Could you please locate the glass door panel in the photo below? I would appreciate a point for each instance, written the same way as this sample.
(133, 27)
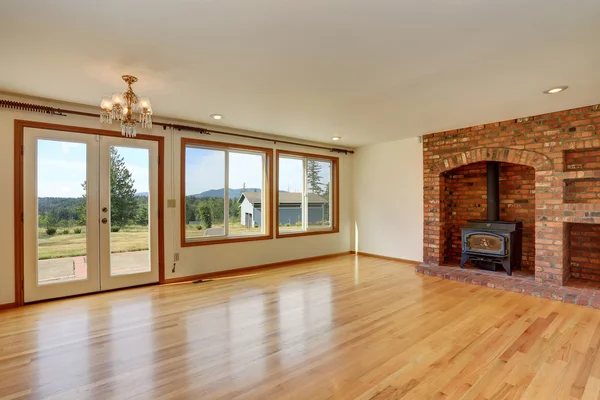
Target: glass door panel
(129, 227)
(60, 215)
(129, 212)
(62, 205)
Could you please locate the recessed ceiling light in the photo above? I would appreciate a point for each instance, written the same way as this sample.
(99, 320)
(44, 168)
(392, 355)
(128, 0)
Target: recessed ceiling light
(336, 138)
(216, 116)
(557, 89)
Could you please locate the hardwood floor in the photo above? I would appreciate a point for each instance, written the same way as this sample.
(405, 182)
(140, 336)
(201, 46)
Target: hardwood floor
(346, 327)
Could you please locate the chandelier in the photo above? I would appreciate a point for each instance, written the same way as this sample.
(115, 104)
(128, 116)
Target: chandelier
(128, 108)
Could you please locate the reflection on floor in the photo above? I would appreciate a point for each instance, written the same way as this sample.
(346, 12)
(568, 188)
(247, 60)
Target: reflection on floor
(345, 328)
(75, 268)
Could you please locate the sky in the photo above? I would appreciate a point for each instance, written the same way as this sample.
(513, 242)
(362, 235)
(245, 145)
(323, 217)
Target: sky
(62, 168)
(205, 170)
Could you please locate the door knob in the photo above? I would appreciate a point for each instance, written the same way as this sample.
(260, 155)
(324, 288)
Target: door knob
(104, 220)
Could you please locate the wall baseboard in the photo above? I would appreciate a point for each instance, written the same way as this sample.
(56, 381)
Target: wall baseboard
(7, 306)
(361, 253)
(244, 270)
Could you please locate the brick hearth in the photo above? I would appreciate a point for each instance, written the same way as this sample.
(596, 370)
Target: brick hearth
(577, 291)
(550, 180)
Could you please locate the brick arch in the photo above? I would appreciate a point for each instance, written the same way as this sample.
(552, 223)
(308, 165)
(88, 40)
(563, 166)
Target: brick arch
(514, 156)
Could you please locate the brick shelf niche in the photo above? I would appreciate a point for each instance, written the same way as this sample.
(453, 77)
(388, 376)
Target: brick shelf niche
(584, 250)
(548, 156)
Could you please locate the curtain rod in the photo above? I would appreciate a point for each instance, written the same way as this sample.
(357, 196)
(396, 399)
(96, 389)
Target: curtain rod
(15, 105)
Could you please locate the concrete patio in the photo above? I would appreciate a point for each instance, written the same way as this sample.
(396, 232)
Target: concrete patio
(74, 268)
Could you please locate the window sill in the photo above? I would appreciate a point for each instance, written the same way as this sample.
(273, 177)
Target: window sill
(231, 239)
(281, 235)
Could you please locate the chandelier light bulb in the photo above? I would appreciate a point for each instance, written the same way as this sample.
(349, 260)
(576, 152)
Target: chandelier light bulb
(117, 98)
(145, 103)
(106, 103)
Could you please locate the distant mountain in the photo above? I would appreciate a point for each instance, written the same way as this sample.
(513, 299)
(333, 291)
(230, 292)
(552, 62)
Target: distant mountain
(233, 193)
(142, 194)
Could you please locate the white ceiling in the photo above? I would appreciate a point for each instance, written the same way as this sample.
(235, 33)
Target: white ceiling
(367, 70)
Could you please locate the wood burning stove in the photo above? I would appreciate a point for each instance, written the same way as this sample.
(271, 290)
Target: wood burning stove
(493, 243)
(490, 244)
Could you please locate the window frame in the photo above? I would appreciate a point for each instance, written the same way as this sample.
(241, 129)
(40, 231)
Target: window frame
(335, 190)
(267, 189)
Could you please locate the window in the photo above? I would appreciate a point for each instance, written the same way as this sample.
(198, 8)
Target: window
(307, 194)
(225, 192)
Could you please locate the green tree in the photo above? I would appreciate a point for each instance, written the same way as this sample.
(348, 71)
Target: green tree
(234, 210)
(81, 210)
(315, 181)
(51, 219)
(191, 209)
(326, 195)
(217, 209)
(205, 214)
(123, 206)
(142, 215)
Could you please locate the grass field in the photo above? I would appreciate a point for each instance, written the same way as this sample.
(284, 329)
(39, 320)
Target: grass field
(131, 238)
(74, 244)
(192, 231)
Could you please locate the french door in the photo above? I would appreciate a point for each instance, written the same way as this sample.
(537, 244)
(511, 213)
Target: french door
(90, 213)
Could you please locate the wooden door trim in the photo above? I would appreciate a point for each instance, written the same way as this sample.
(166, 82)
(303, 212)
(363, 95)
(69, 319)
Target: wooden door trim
(20, 126)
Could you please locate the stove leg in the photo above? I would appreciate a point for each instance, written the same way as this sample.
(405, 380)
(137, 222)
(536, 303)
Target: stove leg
(506, 266)
(463, 260)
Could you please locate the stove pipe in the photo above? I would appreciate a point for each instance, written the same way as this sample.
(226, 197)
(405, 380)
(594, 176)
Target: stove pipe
(493, 191)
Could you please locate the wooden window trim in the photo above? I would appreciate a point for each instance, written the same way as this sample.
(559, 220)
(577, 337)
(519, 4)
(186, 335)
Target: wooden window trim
(269, 161)
(335, 175)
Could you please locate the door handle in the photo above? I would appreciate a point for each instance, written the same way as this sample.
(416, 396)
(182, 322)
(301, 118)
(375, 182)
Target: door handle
(104, 220)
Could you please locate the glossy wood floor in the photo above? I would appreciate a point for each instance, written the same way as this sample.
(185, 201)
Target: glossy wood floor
(341, 328)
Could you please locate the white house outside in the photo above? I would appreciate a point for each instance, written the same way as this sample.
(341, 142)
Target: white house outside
(290, 209)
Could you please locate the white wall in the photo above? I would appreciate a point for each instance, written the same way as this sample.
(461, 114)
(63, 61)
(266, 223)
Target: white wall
(193, 260)
(388, 199)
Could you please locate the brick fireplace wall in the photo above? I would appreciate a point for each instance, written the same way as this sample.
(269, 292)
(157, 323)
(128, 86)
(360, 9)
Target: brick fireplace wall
(560, 151)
